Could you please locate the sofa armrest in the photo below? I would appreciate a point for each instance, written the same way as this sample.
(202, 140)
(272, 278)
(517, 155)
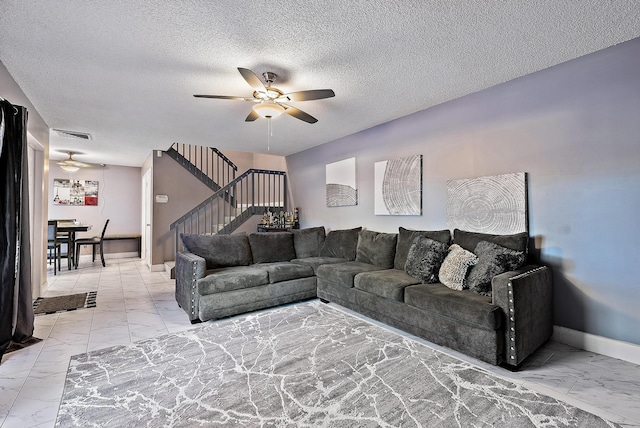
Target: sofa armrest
(525, 296)
(189, 269)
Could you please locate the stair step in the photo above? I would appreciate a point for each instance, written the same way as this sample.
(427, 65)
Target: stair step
(170, 268)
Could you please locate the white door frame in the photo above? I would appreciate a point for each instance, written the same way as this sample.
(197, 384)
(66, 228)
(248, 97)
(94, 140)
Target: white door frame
(36, 216)
(147, 196)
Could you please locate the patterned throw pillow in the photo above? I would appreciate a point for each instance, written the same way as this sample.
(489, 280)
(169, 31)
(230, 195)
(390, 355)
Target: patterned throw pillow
(406, 238)
(425, 258)
(455, 266)
(493, 260)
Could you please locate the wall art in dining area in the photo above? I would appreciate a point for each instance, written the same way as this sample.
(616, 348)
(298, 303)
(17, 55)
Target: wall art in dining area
(495, 204)
(398, 186)
(75, 192)
(341, 183)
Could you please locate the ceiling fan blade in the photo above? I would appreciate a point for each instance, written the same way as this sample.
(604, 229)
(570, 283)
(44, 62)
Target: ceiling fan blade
(253, 80)
(252, 116)
(299, 114)
(314, 94)
(225, 97)
(72, 162)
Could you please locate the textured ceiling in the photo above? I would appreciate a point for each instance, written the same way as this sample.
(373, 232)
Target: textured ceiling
(125, 71)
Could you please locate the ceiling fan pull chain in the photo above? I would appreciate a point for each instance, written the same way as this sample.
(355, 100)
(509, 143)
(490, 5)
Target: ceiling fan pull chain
(269, 134)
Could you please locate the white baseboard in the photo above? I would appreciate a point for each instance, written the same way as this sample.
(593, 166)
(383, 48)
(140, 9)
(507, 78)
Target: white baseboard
(599, 344)
(126, 255)
(107, 256)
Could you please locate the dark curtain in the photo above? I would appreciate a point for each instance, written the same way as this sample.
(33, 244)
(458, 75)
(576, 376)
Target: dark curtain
(16, 307)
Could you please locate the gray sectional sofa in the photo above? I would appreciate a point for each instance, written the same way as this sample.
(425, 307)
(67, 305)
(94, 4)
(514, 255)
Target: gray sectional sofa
(393, 278)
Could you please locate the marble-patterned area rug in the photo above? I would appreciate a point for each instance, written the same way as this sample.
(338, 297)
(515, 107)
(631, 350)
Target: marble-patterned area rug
(302, 365)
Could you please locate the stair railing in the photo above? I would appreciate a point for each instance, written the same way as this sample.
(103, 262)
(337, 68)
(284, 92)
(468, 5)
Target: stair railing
(208, 164)
(253, 192)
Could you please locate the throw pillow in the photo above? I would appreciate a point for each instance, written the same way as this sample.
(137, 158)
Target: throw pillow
(341, 244)
(453, 271)
(268, 247)
(425, 258)
(406, 238)
(219, 250)
(376, 248)
(493, 260)
(307, 242)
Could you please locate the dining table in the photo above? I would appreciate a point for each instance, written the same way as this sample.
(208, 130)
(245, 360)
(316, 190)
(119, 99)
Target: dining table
(71, 228)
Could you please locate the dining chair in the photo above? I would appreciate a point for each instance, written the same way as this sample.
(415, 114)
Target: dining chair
(53, 245)
(95, 241)
(65, 239)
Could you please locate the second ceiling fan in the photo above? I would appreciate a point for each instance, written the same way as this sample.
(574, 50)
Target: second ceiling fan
(269, 101)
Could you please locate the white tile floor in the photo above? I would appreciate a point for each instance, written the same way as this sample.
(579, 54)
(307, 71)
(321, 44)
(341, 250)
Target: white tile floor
(135, 304)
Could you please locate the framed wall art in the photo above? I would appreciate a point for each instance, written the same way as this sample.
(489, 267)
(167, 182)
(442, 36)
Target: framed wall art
(398, 186)
(495, 204)
(75, 192)
(341, 183)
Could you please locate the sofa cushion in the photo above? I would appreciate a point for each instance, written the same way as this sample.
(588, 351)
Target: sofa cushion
(465, 306)
(388, 283)
(376, 248)
(469, 240)
(219, 250)
(285, 271)
(341, 244)
(406, 238)
(269, 247)
(425, 258)
(493, 260)
(231, 278)
(307, 242)
(455, 267)
(316, 262)
(344, 273)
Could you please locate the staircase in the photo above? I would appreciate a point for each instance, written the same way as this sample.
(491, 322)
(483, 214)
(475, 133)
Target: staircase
(207, 164)
(234, 199)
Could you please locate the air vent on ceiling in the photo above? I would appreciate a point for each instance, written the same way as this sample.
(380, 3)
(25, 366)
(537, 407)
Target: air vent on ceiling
(73, 134)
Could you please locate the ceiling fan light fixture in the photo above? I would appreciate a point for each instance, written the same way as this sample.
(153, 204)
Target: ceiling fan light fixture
(268, 109)
(69, 168)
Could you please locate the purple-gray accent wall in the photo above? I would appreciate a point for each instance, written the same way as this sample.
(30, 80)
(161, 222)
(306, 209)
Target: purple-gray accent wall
(574, 128)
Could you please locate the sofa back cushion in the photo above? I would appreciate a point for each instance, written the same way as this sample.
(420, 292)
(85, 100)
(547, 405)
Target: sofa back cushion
(268, 247)
(341, 244)
(308, 242)
(219, 250)
(406, 238)
(376, 248)
(470, 240)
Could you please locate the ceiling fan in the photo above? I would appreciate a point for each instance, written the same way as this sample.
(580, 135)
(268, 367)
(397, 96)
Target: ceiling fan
(269, 101)
(72, 165)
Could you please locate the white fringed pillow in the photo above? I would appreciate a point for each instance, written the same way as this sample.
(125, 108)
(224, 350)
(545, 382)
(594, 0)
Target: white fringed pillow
(455, 267)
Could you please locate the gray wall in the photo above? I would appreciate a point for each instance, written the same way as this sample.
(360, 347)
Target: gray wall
(185, 192)
(575, 128)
